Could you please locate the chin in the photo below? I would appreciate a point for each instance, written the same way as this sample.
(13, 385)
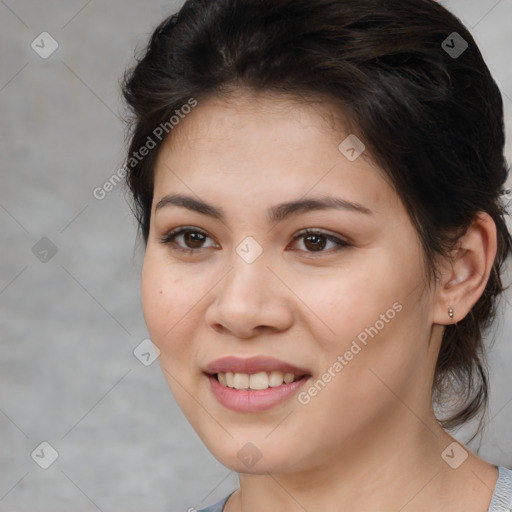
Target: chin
(257, 458)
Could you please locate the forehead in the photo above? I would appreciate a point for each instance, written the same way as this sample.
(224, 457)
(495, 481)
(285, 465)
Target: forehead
(263, 145)
(246, 119)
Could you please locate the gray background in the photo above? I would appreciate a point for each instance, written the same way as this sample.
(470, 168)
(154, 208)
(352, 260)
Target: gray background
(69, 325)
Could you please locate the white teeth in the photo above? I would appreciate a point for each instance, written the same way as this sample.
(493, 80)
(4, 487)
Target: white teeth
(240, 380)
(289, 377)
(276, 379)
(260, 380)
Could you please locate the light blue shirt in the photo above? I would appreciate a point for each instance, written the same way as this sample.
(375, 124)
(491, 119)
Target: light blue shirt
(501, 498)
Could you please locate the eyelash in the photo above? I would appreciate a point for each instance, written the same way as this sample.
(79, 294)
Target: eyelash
(169, 238)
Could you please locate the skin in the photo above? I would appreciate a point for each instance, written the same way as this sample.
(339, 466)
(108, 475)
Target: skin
(369, 440)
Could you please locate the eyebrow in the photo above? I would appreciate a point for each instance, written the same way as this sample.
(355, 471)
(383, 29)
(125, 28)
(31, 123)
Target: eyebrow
(276, 213)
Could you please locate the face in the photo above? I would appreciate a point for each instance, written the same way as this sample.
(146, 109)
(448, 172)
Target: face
(343, 307)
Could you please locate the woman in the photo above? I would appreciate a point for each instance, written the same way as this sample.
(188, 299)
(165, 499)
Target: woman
(317, 184)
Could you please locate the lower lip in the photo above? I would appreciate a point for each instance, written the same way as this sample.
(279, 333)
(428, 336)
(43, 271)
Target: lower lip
(253, 400)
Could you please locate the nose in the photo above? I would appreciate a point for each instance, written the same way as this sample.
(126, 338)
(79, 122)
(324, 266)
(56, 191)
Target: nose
(249, 300)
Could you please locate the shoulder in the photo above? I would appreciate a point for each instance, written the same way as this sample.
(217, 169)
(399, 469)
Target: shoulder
(502, 496)
(216, 507)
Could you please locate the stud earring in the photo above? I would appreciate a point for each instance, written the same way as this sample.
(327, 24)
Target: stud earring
(450, 312)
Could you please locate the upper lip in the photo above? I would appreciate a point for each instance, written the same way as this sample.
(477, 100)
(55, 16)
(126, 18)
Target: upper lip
(252, 365)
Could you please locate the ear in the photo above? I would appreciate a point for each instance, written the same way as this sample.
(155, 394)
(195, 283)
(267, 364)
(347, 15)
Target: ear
(466, 272)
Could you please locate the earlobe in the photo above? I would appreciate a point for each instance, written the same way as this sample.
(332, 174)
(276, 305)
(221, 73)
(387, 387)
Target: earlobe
(468, 271)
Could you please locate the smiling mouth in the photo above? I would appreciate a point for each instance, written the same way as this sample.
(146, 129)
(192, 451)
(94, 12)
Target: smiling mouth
(256, 381)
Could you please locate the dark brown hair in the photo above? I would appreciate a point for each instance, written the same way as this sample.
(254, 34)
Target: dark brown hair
(431, 119)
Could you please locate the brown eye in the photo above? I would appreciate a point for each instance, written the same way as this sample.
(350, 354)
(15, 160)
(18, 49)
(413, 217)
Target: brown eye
(192, 239)
(316, 241)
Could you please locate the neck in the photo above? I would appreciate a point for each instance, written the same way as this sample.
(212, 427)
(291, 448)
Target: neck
(396, 466)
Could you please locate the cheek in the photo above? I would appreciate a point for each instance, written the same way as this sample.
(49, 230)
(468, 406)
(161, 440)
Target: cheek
(374, 317)
(169, 314)
(167, 304)
(353, 299)
(155, 298)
